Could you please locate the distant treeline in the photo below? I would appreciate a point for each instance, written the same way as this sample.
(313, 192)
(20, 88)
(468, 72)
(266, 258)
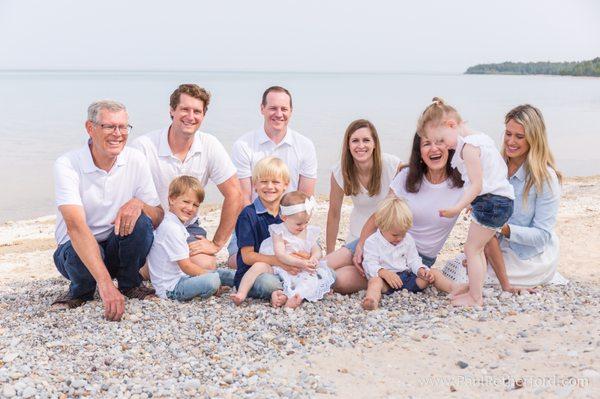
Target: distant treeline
(582, 68)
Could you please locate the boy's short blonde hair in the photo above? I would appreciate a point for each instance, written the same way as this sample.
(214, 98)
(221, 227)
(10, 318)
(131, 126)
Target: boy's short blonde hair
(180, 185)
(272, 167)
(393, 212)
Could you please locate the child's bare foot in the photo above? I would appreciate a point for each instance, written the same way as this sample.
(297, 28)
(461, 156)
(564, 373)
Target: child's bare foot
(458, 289)
(293, 302)
(237, 298)
(278, 299)
(370, 303)
(466, 300)
(145, 272)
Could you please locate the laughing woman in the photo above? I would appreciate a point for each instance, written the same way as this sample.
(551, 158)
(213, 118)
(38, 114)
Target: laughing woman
(364, 175)
(428, 183)
(526, 251)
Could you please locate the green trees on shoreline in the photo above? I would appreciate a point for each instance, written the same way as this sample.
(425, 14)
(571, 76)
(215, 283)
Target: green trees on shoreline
(581, 68)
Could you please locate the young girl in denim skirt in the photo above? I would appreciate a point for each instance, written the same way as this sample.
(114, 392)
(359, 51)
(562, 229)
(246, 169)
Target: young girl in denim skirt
(487, 189)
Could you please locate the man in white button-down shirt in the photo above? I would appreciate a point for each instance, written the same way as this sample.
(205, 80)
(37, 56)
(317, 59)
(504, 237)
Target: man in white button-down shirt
(276, 139)
(182, 149)
(107, 207)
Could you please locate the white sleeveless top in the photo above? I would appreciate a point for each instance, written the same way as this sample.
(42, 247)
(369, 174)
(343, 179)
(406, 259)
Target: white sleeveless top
(493, 167)
(363, 205)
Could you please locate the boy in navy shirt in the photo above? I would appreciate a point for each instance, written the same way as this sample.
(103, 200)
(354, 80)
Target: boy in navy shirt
(270, 179)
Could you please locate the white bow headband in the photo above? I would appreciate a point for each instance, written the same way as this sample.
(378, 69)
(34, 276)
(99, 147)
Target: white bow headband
(308, 206)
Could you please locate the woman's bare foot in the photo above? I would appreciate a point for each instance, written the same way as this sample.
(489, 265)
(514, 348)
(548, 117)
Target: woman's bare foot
(278, 299)
(293, 302)
(458, 289)
(237, 298)
(466, 300)
(145, 272)
(370, 303)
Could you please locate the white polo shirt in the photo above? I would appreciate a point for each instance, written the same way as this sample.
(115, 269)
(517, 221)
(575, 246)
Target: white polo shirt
(169, 246)
(296, 150)
(78, 181)
(206, 159)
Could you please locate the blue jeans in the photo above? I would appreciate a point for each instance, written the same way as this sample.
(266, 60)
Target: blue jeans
(427, 261)
(264, 285)
(123, 257)
(194, 230)
(204, 286)
(492, 211)
(351, 245)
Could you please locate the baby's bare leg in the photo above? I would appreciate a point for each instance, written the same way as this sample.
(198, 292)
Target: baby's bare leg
(248, 281)
(375, 288)
(443, 283)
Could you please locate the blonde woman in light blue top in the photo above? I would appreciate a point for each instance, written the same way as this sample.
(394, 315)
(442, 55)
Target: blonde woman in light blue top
(526, 251)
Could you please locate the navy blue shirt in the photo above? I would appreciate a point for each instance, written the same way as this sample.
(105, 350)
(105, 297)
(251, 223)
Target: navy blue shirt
(251, 229)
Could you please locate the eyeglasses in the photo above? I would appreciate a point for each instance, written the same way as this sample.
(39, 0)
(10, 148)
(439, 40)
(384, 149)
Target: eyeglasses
(123, 129)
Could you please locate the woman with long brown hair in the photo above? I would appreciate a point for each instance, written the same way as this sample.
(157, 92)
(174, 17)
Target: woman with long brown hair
(364, 174)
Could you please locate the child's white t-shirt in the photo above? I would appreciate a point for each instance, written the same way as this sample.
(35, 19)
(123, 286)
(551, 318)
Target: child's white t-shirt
(494, 169)
(429, 230)
(169, 246)
(379, 253)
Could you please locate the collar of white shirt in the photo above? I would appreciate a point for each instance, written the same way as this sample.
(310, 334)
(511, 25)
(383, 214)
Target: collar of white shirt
(287, 139)
(164, 150)
(87, 162)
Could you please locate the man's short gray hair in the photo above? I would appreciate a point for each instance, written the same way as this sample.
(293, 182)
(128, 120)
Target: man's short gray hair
(109, 105)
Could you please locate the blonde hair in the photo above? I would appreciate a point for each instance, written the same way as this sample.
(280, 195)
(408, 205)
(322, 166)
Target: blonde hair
(393, 212)
(180, 185)
(539, 157)
(435, 113)
(270, 167)
(349, 172)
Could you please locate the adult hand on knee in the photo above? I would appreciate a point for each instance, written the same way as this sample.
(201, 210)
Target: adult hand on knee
(358, 258)
(113, 300)
(203, 246)
(127, 217)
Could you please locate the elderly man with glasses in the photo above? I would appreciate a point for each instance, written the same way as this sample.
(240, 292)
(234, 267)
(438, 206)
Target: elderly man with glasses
(107, 208)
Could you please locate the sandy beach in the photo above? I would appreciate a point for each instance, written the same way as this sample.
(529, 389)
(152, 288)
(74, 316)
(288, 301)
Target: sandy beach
(543, 345)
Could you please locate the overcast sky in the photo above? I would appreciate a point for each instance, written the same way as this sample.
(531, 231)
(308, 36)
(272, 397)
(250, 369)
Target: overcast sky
(294, 35)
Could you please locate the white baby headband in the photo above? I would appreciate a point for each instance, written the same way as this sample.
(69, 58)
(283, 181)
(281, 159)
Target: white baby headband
(307, 206)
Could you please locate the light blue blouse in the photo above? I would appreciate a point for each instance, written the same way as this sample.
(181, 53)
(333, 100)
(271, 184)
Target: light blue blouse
(532, 224)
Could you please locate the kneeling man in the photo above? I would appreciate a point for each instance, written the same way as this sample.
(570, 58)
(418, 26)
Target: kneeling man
(108, 207)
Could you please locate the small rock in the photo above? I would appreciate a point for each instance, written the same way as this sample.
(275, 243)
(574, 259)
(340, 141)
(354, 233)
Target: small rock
(9, 357)
(78, 384)
(452, 388)
(564, 391)
(529, 349)
(462, 365)
(9, 391)
(28, 392)
(572, 353)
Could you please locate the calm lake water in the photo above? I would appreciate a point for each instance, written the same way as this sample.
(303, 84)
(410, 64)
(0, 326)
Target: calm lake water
(42, 115)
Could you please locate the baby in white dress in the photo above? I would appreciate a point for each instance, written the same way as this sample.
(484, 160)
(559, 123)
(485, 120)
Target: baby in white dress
(294, 243)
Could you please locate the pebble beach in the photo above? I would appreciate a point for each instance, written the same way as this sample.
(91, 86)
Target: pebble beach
(544, 344)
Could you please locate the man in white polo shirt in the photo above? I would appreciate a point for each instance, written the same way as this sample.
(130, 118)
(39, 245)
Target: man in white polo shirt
(274, 138)
(107, 207)
(181, 149)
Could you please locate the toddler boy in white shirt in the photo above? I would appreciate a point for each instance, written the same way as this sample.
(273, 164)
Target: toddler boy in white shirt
(391, 261)
(173, 274)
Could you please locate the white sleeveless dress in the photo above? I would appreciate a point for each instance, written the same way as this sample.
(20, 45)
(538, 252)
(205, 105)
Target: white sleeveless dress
(311, 287)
